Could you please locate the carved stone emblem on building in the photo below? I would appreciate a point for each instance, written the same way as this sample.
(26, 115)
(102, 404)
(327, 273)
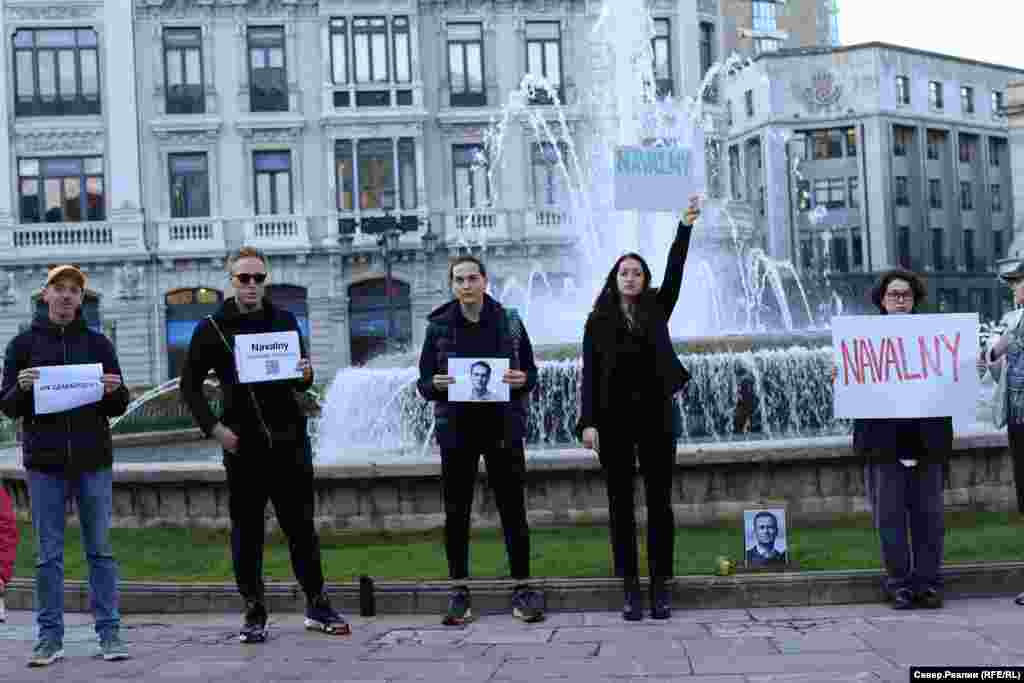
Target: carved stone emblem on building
(7, 288)
(824, 90)
(129, 280)
(39, 140)
(52, 12)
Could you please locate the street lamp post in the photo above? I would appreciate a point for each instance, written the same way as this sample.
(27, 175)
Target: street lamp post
(388, 244)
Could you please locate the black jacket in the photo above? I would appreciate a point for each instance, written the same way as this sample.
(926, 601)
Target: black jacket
(75, 440)
(442, 341)
(277, 407)
(599, 342)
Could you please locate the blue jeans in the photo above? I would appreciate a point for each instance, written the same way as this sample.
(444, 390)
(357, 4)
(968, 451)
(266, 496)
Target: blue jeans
(93, 493)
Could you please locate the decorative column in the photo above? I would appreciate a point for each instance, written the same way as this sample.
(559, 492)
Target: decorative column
(120, 108)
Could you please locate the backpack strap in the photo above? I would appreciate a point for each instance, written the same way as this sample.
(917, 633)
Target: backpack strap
(252, 394)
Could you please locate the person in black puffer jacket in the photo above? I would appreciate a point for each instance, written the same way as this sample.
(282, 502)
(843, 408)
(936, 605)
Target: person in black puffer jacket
(474, 325)
(67, 454)
(267, 454)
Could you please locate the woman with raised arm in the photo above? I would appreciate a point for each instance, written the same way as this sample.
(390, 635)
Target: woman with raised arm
(630, 374)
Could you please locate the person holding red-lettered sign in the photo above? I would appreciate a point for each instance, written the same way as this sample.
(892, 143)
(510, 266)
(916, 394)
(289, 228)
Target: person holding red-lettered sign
(903, 475)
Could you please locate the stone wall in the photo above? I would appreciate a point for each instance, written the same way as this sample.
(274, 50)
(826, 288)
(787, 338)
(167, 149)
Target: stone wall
(817, 479)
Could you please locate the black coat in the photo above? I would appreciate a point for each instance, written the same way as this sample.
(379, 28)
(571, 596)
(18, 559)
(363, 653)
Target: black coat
(76, 440)
(599, 343)
(442, 341)
(277, 406)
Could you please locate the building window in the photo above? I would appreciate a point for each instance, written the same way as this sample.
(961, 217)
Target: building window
(966, 196)
(853, 187)
(469, 174)
(996, 149)
(937, 249)
(967, 99)
(840, 259)
(466, 65)
(902, 191)
(762, 45)
(903, 246)
(748, 101)
(968, 148)
(858, 250)
(803, 194)
(401, 50)
(273, 181)
(851, 142)
(903, 138)
(735, 176)
(707, 47)
(61, 190)
(377, 177)
(935, 94)
(830, 193)
(56, 72)
(935, 193)
(190, 185)
(997, 245)
(370, 43)
(997, 198)
(544, 58)
(902, 90)
(547, 161)
(183, 65)
(765, 16)
(339, 51)
(998, 103)
(969, 250)
(947, 302)
(936, 141)
(979, 300)
(268, 81)
(825, 144)
(661, 48)
(806, 254)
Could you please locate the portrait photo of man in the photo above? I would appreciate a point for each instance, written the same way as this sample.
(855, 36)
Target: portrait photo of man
(765, 537)
(480, 380)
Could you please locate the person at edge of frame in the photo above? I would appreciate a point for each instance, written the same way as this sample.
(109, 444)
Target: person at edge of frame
(473, 325)
(267, 452)
(8, 547)
(68, 454)
(905, 461)
(630, 376)
(1010, 346)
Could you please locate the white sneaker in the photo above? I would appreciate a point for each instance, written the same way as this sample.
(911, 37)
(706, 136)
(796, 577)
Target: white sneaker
(3, 610)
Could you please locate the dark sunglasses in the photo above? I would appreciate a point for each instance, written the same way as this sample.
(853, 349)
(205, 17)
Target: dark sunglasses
(246, 278)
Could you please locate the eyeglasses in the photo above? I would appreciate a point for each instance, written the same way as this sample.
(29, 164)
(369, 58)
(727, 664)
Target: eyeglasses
(899, 296)
(246, 278)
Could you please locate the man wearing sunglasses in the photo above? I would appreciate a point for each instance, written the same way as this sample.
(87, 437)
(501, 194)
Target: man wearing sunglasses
(267, 453)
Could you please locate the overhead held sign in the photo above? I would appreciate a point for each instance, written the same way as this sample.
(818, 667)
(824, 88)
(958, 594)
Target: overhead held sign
(659, 178)
(906, 366)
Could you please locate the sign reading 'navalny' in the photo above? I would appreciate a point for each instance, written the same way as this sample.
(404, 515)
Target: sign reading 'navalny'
(658, 178)
(267, 357)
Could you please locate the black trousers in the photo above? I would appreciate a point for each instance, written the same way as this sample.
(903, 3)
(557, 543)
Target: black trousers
(285, 478)
(506, 475)
(655, 448)
(1016, 436)
(908, 499)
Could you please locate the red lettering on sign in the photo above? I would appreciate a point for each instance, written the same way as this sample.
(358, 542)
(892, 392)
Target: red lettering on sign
(903, 358)
(954, 349)
(851, 365)
(926, 359)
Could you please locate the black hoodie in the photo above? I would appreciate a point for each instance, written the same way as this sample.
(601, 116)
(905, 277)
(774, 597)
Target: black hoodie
(75, 440)
(277, 408)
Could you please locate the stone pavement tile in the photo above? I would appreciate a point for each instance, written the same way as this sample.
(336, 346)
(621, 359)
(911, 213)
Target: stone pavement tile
(447, 671)
(641, 650)
(770, 613)
(780, 664)
(498, 636)
(592, 669)
(678, 616)
(825, 677)
(1008, 639)
(546, 651)
(947, 654)
(793, 643)
(439, 636)
(732, 647)
(663, 631)
(867, 610)
(412, 652)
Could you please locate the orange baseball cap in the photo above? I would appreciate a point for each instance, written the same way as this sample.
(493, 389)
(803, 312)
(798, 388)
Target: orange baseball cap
(67, 270)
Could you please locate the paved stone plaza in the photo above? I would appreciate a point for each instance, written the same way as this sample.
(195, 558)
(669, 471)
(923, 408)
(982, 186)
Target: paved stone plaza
(792, 644)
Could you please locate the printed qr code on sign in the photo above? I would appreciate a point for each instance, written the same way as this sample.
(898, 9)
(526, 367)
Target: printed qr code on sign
(273, 367)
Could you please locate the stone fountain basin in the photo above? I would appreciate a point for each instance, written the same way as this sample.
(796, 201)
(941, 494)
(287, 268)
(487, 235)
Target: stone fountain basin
(817, 479)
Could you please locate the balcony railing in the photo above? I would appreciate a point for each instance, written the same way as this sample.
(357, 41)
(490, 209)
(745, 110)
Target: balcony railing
(548, 221)
(97, 239)
(475, 225)
(277, 232)
(192, 236)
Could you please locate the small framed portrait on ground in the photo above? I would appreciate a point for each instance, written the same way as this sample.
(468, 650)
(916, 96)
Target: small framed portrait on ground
(764, 535)
(478, 380)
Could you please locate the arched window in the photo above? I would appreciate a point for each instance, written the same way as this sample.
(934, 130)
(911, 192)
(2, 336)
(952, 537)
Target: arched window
(374, 327)
(185, 308)
(292, 299)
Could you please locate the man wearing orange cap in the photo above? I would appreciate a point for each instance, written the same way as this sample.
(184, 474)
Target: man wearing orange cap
(67, 454)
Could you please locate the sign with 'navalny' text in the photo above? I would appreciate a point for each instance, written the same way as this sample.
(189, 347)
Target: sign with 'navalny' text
(267, 357)
(906, 366)
(659, 178)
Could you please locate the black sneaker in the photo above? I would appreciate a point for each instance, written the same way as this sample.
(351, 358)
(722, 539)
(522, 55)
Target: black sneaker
(661, 600)
(460, 610)
(527, 604)
(903, 599)
(929, 598)
(254, 628)
(320, 616)
(634, 607)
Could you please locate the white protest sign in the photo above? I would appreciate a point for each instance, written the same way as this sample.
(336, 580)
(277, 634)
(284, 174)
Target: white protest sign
(659, 178)
(65, 387)
(906, 366)
(267, 357)
(478, 380)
